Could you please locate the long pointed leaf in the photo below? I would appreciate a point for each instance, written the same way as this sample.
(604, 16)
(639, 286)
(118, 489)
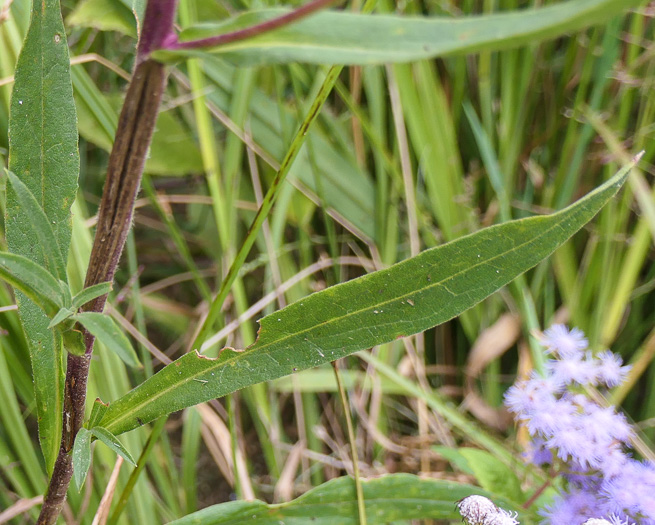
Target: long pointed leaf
(340, 37)
(393, 498)
(51, 253)
(90, 293)
(109, 334)
(32, 280)
(405, 299)
(43, 154)
(81, 456)
(112, 442)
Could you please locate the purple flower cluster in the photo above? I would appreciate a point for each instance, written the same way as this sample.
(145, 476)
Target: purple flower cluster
(587, 442)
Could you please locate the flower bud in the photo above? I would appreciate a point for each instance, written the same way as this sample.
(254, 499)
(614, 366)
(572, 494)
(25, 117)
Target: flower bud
(475, 509)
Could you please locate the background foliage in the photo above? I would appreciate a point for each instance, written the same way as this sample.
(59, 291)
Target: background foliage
(403, 158)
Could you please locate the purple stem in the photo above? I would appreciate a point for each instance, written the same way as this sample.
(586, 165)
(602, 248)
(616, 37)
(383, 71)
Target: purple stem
(257, 29)
(126, 161)
(157, 30)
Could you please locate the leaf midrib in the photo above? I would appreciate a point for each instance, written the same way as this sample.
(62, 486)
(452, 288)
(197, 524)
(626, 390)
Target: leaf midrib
(239, 353)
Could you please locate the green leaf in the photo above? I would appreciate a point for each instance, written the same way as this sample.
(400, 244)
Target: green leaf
(32, 280)
(405, 299)
(457, 460)
(43, 154)
(61, 316)
(90, 293)
(112, 442)
(109, 334)
(81, 457)
(104, 15)
(41, 226)
(98, 410)
(82, 450)
(341, 37)
(391, 498)
(493, 475)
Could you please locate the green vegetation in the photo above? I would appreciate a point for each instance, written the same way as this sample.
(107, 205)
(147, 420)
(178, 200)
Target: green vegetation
(471, 149)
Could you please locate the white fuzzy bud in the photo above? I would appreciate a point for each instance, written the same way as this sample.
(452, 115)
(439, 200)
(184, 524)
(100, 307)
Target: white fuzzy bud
(475, 509)
(502, 517)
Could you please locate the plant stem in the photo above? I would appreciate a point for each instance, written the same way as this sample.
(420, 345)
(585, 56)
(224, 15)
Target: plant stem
(257, 29)
(265, 207)
(133, 136)
(361, 505)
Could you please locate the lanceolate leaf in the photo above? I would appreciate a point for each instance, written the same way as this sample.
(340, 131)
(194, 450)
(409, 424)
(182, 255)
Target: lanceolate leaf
(43, 155)
(32, 280)
(39, 222)
(82, 451)
(492, 474)
(402, 300)
(109, 334)
(60, 316)
(81, 456)
(98, 410)
(389, 499)
(340, 37)
(112, 442)
(90, 293)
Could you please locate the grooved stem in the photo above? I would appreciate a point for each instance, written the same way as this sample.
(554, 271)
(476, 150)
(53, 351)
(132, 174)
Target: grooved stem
(133, 136)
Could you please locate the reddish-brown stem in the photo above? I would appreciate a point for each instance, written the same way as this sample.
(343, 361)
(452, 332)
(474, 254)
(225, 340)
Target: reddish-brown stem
(257, 29)
(552, 474)
(133, 136)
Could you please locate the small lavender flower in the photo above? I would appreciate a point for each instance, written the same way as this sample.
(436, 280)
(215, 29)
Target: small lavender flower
(587, 441)
(565, 343)
(609, 372)
(614, 520)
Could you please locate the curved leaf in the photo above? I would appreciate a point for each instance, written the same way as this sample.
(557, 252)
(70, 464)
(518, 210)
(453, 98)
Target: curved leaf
(391, 498)
(44, 156)
(90, 293)
(406, 298)
(81, 457)
(112, 442)
(98, 410)
(33, 280)
(61, 316)
(82, 451)
(109, 334)
(493, 474)
(51, 253)
(341, 37)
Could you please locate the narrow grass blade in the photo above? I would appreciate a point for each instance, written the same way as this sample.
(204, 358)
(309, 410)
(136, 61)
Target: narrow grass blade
(44, 156)
(340, 37)
(393, 498)
(405, 299)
